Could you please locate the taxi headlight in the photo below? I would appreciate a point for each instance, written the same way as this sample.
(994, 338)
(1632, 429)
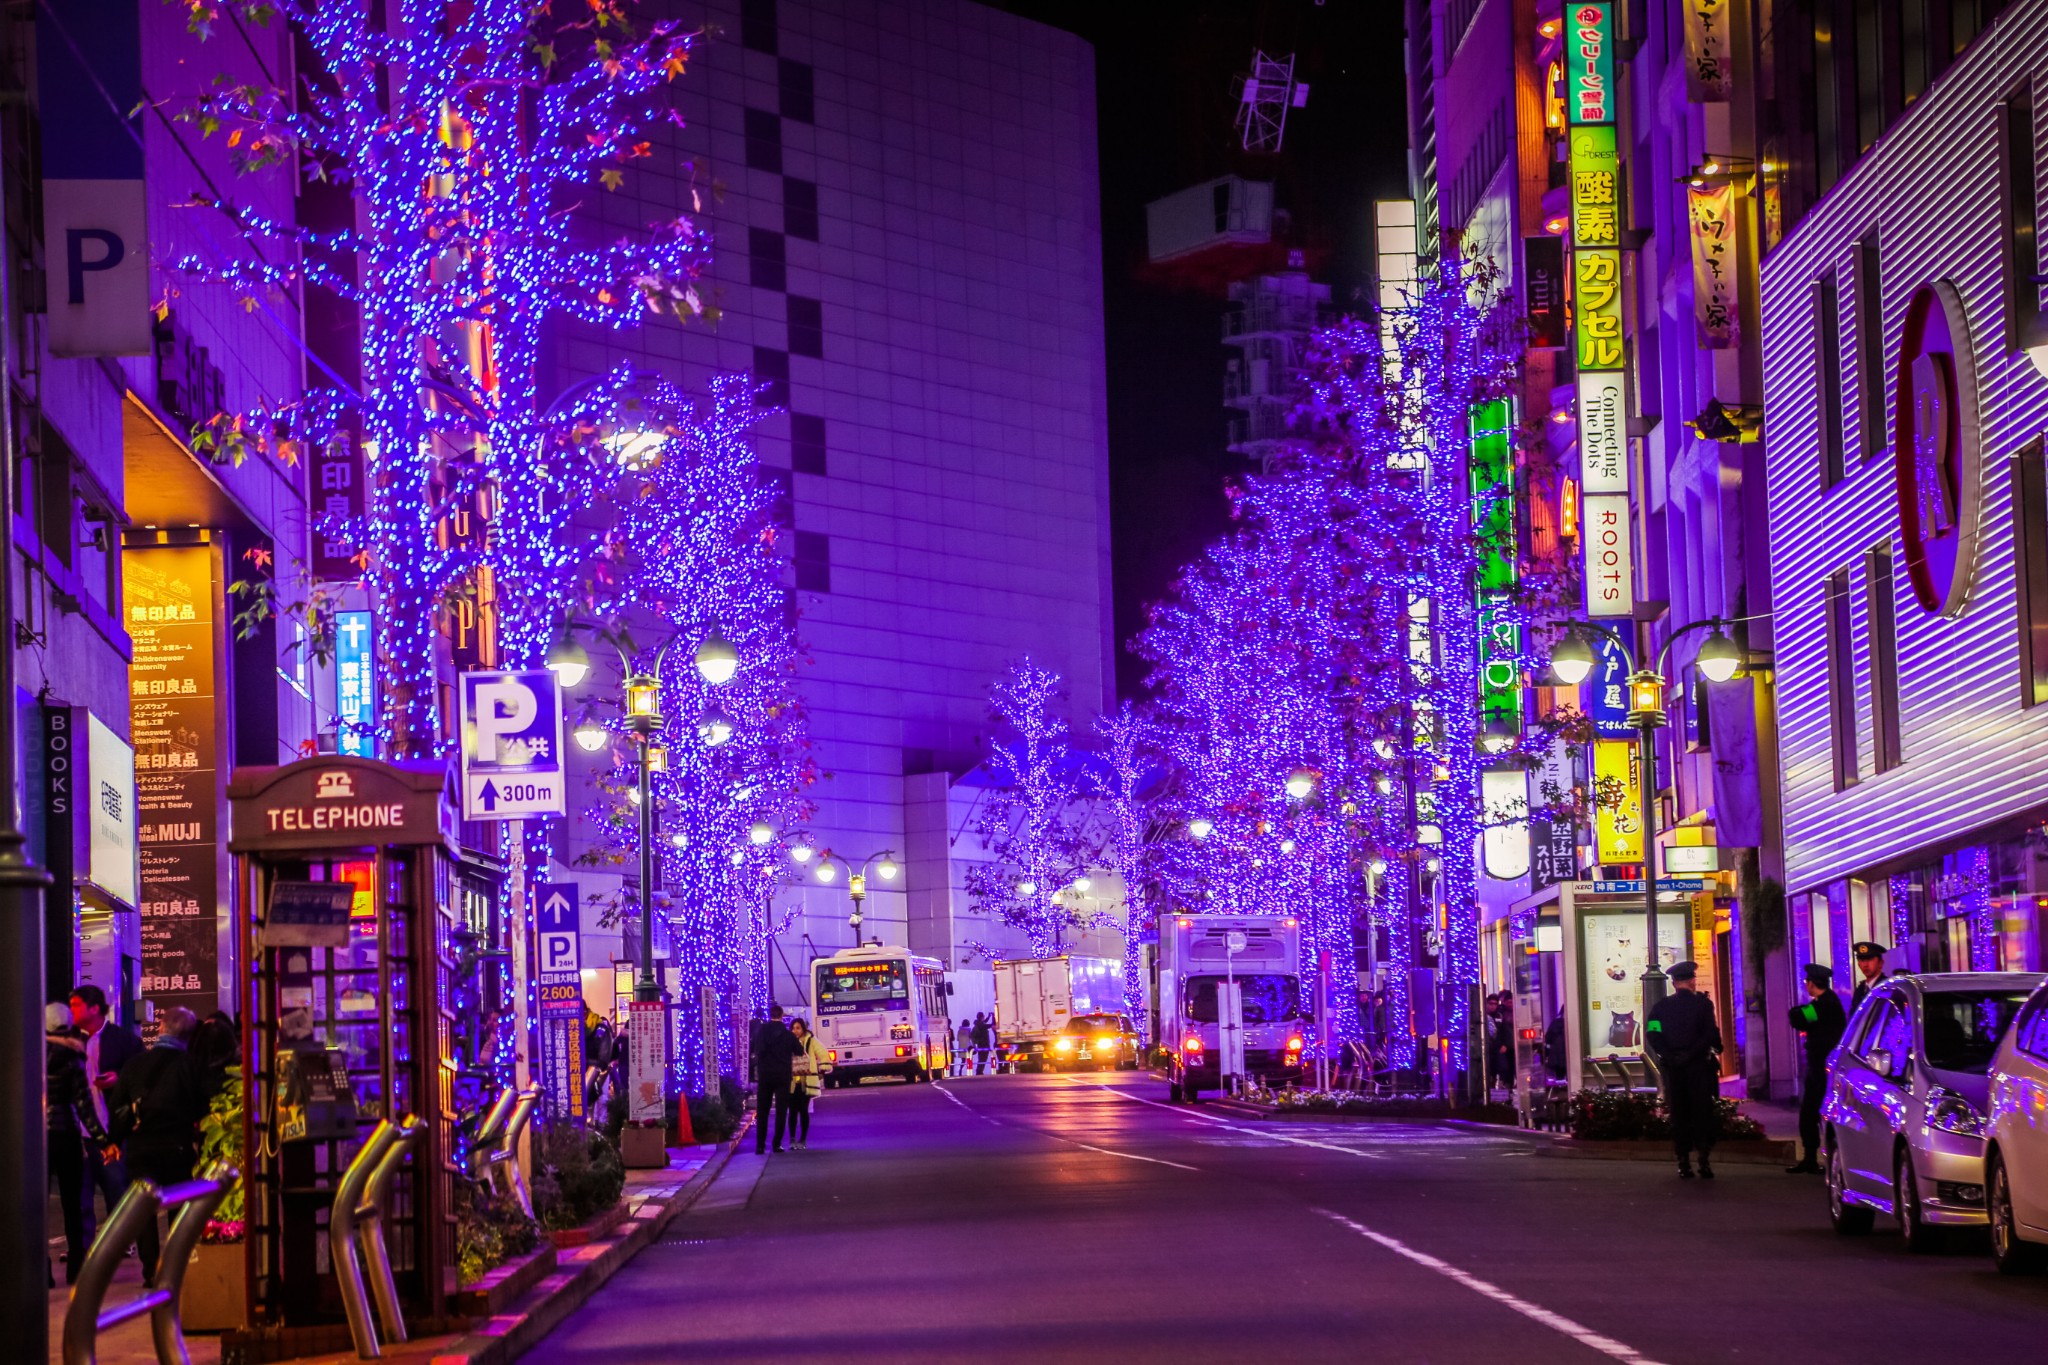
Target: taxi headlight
(1951, 1113)
(1066, 1045)
(1108, 1044)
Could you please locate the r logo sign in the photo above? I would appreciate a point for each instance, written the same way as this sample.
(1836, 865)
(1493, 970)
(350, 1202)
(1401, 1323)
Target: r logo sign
(1936, 464)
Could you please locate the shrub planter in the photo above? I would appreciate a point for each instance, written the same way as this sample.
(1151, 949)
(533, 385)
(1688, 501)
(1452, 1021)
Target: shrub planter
(216, 1296)
(585, 1233)
(504, 1283)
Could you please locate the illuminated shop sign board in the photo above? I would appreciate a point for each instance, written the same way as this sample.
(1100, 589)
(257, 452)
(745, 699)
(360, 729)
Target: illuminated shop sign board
(1589, 62)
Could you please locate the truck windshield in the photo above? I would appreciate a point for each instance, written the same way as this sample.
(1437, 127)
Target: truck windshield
(1267, 999)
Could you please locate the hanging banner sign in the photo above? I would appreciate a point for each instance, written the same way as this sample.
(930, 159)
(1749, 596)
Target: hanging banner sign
(1589, 62)
(336, 474)
(1709, 54)
(1618, 802)
(1610, 556)
(1543, 288)
(1714, 282)
(1504, 799)
(1607, 690)
(1596, 307)
(1595, 168)
(1603, 432)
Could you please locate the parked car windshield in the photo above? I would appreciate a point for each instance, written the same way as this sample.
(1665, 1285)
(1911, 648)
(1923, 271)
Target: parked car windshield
(1963, 1027)
(1267, 999)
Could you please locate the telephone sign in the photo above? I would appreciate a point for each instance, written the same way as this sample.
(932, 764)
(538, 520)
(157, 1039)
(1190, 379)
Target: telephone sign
(511, 745)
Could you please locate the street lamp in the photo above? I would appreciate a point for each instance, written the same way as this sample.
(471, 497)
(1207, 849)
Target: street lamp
(1719, 659)
(1498, 737)
(883, 863)
(1300, 784)
(1201, 827)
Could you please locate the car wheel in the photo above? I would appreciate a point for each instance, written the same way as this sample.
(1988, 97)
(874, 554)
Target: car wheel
(1920, 1236)
(1191, 1092)
(1850, 1220)
(2011, 1255)
(1173, 1092)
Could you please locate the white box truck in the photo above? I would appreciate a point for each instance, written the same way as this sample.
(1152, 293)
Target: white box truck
(1200, 958)
(1037, 997)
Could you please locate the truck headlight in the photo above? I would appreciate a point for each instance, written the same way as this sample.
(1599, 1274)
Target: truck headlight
(1951, 1113)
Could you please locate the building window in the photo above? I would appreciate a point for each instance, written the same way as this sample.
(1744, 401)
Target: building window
(764, 140)
(813, 561)
(1869, 77)
(1827, 101)
(806, 443)
(757, 25)
(1870, 404)
(806, 327)
(1827, 318)
(799, 97)
(1884, 660)
(800, 208)
(782, 489)
(767, 267)
(2030, 531)
(2022, 250)
(1841, 680)
(771, 370)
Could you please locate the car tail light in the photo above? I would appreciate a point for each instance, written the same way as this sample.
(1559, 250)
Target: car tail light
(1294, 1044)
(1192, 1043)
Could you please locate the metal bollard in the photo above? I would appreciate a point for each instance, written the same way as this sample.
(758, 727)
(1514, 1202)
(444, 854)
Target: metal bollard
(484, 1148)
(505, 1160)
(370, 1226)
(341, 1237)
(84, 1320)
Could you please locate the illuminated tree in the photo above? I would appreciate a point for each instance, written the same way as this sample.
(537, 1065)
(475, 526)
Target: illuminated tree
(1130, 839)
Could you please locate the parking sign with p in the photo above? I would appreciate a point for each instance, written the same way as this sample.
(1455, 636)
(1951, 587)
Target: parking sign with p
(511, 745)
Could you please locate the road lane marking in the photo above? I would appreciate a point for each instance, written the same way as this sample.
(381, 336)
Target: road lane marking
(1557, 1322)
(1235, 1128)
(965, 1105)
(1133, 1156)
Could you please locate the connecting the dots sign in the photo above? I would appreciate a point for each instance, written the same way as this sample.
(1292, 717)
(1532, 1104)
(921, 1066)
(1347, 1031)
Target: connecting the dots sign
(511, 745)
(558, 987)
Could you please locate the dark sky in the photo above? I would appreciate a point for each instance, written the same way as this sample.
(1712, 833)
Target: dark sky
(1167, 80)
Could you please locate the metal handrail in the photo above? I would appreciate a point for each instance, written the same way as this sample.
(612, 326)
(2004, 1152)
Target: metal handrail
(370, 1226)
(507, 1176)
(84, 1320)
(484, 1146)
(341, 1237)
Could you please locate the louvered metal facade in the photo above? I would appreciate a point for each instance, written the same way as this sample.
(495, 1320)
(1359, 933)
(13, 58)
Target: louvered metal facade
(1972, 760)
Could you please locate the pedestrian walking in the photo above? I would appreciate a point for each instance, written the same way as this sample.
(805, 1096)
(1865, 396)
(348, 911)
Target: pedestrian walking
(1500, 1049)
(963, 1048)
(984, 1038)
(1820, 1022)
(157, 1105)
(774, 1070)
(809, 1069)
(71, 1126)
(107, 1047)
(1870, 968)
(1684, 1038)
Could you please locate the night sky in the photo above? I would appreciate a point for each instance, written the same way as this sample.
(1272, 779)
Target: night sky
(1167, 79)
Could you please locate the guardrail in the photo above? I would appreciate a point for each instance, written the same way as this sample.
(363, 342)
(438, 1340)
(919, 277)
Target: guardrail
(85, 1319)
(355, 1234)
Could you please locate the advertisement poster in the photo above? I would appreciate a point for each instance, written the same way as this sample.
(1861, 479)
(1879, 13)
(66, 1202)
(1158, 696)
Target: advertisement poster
(173, 707)
(646, 1060)
(1612, 950)
(1714, 282)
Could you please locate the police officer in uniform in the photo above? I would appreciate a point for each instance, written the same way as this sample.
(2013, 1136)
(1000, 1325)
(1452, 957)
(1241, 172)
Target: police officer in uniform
(1822, 1020)
(1870, 967)
(1685, 1039)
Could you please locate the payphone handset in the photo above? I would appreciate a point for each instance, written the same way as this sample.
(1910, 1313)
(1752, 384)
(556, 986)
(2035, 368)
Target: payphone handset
(314, 1097)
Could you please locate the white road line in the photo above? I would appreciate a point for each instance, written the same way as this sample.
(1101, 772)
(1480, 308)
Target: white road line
(1133, 1156)
(965, 1105)
(1233, 1127)
(1557, 1322)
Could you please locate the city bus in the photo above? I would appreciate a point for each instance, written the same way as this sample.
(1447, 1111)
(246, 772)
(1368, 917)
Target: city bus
(882, 1012)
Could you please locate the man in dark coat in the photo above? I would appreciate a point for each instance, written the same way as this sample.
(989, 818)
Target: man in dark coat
(1869, 970)
(1821, 1020)
(72, 1124)
(774, 1072)
(105, 1048)
(1685, 1039)
(160, 1099)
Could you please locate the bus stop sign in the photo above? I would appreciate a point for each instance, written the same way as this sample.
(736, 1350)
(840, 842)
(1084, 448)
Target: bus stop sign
(511, 745)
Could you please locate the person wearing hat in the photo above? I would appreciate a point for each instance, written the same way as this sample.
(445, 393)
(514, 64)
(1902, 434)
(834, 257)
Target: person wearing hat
(1821, 1020)
(1870, 966)
(1684, 1038)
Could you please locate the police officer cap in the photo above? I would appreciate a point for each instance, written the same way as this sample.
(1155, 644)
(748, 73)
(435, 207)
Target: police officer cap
(1867, 949)
(1819, 974)
(1683, 971)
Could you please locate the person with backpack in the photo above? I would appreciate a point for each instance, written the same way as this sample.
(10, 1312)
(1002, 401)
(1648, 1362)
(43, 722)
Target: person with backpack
(156, 1106)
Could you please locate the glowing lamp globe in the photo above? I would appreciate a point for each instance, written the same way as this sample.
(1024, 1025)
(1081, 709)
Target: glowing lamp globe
(1719, 658)
(569, 662)
(591, 736)
(1300, 784)
(716, 660)
(760, 832)
(887, 869)
(1572, 661)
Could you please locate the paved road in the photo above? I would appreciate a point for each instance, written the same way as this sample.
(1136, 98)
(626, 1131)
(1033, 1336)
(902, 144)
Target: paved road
(1037, 1218)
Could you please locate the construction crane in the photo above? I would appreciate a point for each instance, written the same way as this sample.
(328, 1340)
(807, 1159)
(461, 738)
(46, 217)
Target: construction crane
(1269, 92)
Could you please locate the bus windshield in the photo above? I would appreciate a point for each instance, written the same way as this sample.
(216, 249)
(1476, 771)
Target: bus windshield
(1267, 999)
(852, 987)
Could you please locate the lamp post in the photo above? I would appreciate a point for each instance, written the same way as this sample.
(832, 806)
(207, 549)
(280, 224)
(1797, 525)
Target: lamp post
(827, 872)
(716, 662)
(1719, 659)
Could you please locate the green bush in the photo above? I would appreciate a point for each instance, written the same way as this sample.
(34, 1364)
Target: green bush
(220, 1139)
(715, 1118)
(490, 1229)
(577, 1174)
(1352, 1104)
(1619, 1116)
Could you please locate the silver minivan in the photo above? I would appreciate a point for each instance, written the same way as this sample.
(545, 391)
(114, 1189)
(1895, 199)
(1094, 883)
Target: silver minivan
(1904, 1121)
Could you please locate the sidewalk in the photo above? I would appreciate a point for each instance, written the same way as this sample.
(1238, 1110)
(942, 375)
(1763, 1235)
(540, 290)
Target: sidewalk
(652, 1197)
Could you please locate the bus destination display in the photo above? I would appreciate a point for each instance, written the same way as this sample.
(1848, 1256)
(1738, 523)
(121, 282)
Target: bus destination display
(853, 986)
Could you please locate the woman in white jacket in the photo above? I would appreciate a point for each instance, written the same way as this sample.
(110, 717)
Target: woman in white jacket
(810, 1067)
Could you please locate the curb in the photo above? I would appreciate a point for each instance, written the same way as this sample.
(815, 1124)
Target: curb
(1750, 1152)
(583, 1271)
